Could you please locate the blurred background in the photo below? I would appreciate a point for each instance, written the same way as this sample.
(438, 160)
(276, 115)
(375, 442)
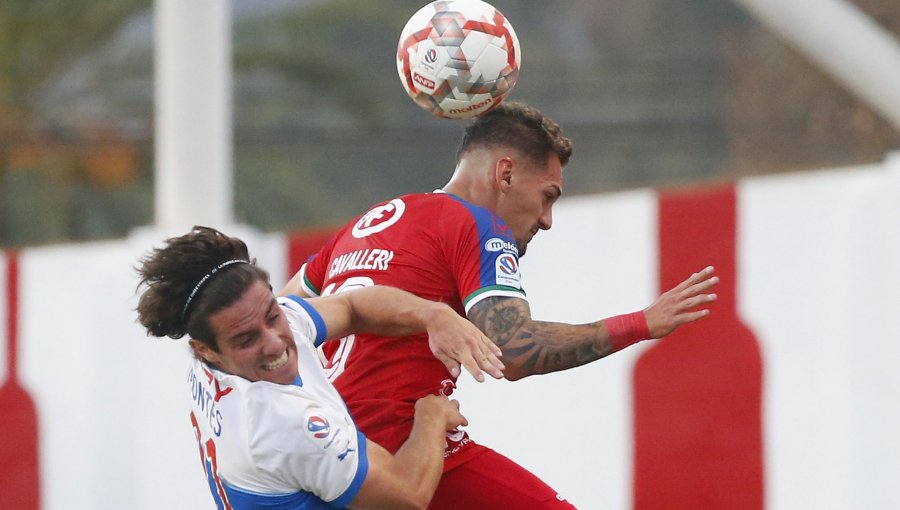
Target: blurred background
(702, 136)
(654, 93)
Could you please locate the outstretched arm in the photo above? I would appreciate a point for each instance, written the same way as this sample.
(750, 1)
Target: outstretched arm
(394, 312)
(536, 347)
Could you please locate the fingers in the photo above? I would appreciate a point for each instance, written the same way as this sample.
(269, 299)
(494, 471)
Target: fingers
(443, 406)
(469, 363)
(490, 359)
(451, 364)
(461, 420)
(691, 291)
(704, 275)
(695, 301)
(483, 357)
(689, 317)
(462, 344)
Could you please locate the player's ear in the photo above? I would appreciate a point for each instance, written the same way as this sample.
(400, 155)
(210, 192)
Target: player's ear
(203, 351)
(503, 173)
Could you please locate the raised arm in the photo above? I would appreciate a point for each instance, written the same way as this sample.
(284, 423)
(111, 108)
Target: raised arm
(409, 478)
(394, 312)
(535, 347)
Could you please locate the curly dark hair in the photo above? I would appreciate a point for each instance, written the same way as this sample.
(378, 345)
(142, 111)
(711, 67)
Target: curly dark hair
(521, 127)
(174, 301)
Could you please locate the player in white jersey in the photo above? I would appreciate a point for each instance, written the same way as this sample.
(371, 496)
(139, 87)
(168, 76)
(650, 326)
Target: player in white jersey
(272, 431)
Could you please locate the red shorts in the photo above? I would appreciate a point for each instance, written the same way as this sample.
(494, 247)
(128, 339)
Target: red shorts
(489, 480)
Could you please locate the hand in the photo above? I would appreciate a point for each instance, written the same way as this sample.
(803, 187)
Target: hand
(678, 305)
(454, 340)
(442, 408)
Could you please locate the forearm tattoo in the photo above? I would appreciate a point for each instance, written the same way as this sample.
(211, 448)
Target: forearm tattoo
(535, 347)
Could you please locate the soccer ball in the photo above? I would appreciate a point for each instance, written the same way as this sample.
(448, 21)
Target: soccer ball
(458, 58)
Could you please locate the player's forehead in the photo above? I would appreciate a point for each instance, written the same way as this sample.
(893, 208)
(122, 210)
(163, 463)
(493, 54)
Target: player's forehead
(549, 174)
(241, 316)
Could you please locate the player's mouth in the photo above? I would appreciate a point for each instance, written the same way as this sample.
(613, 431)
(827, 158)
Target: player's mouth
(278, 363)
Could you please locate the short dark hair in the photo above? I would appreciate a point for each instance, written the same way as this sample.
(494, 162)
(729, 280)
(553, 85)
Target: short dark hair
(521, 127)
(174, 302)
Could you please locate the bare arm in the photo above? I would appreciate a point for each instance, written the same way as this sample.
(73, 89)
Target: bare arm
(393, 312)
(409, 478)
(535, 347)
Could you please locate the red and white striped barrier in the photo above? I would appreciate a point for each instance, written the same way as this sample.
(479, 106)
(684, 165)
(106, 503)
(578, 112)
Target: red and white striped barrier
(783, 398)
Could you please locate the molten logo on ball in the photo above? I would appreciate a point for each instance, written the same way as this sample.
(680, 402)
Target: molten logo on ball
(469, 51)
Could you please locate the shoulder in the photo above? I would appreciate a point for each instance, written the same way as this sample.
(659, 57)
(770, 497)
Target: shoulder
(304, 319)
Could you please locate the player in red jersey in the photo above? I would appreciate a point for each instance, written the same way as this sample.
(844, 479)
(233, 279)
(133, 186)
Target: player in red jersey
(461, 245)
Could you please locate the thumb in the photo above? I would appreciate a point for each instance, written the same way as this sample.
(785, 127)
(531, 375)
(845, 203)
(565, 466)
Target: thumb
(451, 364)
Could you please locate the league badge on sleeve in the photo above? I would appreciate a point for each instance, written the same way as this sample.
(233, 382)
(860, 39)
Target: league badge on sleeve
(507, 270)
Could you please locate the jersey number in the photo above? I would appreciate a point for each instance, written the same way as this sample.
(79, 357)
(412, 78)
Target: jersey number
(210, 467)
(334, 367)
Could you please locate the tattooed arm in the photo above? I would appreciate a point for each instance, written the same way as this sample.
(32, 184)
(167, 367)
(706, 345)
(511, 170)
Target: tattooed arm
(536, 347)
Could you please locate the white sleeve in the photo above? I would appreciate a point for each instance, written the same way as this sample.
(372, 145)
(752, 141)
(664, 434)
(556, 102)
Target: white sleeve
(308, 445)
(304, 319)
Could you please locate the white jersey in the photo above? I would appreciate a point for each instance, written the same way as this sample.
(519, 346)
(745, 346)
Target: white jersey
(275, 446)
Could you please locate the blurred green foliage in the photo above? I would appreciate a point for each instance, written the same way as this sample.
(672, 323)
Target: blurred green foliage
(652, 93)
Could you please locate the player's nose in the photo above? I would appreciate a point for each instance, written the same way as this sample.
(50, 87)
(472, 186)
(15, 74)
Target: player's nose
(272, 345)
(546, 219)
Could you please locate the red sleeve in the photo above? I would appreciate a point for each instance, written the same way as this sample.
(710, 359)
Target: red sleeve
(481, 253)
(315, 269)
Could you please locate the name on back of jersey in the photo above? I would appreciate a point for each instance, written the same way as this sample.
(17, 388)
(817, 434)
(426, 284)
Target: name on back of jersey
(372, 259)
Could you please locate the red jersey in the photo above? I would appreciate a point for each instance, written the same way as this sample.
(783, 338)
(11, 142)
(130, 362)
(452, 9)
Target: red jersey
(434, 245)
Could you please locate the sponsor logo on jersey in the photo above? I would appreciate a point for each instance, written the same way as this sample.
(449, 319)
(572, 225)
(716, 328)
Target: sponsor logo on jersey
(496, 244)
(507, 270)
(319, 426)
(457, 447)
(343, 454)
(379, 218)
(372, 259)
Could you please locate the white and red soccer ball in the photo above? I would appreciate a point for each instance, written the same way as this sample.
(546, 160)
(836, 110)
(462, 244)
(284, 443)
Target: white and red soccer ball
(458, 58)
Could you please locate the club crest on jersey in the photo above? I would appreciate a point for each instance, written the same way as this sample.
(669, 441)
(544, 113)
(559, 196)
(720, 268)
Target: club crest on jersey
(318, 426)
(379, 218)
(507, 271)
(496, 244)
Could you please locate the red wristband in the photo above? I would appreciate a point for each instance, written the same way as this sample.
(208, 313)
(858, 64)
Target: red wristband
(627, 329)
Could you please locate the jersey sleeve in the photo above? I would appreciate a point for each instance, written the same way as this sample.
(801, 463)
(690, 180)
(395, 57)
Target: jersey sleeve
(307, 445)
(314, 271)
(304, 320)
(482, 255)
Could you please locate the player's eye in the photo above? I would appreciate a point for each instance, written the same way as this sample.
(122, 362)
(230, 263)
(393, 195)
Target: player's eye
(244, 341)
